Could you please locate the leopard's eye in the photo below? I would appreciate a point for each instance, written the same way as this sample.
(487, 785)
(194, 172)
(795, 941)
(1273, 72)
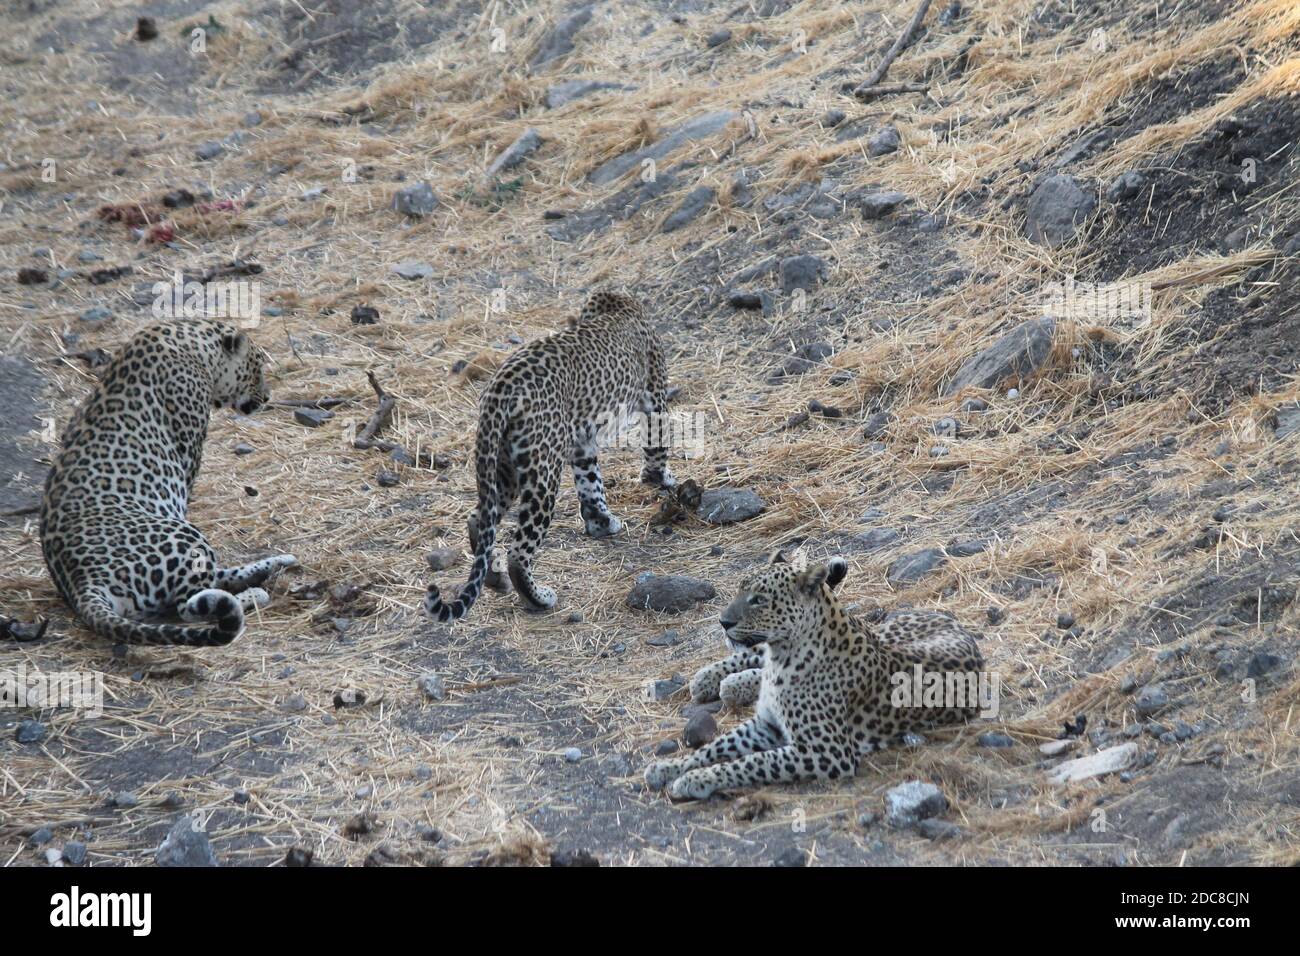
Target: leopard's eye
(757, 600)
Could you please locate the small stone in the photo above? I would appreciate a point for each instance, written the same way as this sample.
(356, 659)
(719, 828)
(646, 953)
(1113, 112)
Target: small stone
(527, 142)
(1261, 663)
(938, 829)
(432, 686)
(574, 858)
(877, 205)
(947, 428)
(309, 194)
(299, 856)
(1111, 760)
(294, 704)
(666, 748)
(832, 118)
(312, 417)
(669, 593)
(1065, 620)
(241, 796)
(974, 405)
(440, 559)
(802, 272)
(364, 315)
(576, 617)
(74, 852)
(664, 689)
(994, 739)
(349, 697)
(415, 201)
(252, 118)
(876, 426)
(1057, 208)
(995, 615)
(1054, 748)
(1150, 700)
(666, 639)
(573, 754)
(700, 729)
(868, 819)
(96, 314)
(29, 732)
(793, 857)
(746, 300)
(387, 479)
(909, 803)
(1018, 354)
(718, 37)
(186, 845)
(697, 201)
(720, 506)
(209, 150)
(412, 270)
(912, 567)
(1124, 186)
(428, 833)
(125, 800)
(884, 141)
(243, 448)
(146, 29)
(41, 837)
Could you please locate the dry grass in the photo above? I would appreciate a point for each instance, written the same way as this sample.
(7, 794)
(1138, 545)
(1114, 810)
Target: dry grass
(445, 764)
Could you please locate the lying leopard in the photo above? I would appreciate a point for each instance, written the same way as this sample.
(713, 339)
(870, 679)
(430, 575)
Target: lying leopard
(113, 518)
(545, 407)
(824, 694)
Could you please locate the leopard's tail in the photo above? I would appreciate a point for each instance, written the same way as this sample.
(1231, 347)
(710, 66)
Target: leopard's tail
(223, 619)
(491, 439)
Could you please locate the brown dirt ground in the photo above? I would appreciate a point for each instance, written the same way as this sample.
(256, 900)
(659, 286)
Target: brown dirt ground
(1137, 483)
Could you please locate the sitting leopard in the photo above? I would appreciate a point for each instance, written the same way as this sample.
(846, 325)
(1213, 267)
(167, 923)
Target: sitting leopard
(545, 407)
(824, 697)
(113, 526)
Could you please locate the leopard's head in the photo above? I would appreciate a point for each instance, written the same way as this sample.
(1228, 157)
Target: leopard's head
(786, 602)
(240, 379)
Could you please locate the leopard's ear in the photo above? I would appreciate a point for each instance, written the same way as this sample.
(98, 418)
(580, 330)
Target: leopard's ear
(799, 560)
(233, 342)
(831, 573)
(776, 557)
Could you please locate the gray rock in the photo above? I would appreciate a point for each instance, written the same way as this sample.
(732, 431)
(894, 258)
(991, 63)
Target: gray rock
(669, 593)
(807, 358)
(560, 40)
(938, 829)
(909, 803)
(693, 206)
(252, 118)
(875, 539)
(89, 255)
(700, 729)
(1102, 762)
(729, 505)
(791, 858)
(573, 754)
(562, 94)
(528, 142)
(757, 301)
(664, 689)
(912, 567)
(432, 686)
(802, 272)
(74, 852)
(1018, 354)
(693, 129)
(387, 479)
(41, 837)
(1124, 186)
(125, 800)
(413, 270)
(875, 205)
(947, 428)
(440, 559)
(666, 639)
(243, 448)
(1288, 421)
(96, 314)
(1261, 663)
(885, 141)
(876, 425)
(294, 704)
(209, 150)
(1151, 699)
(1057, 208)
(186, 845)
(832, 118)
(666, 748)
(312, 417)
(994, 739)
(718, 37)
(417, 200)
(29, 732)
(965, 549)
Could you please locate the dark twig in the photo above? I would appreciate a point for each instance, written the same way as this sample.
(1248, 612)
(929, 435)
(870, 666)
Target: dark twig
(901, 44)
(366, 437)
(868, 94)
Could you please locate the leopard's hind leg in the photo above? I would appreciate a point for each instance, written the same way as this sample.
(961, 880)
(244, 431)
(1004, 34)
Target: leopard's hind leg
(251, 575)
(539, 469)
(600, 523)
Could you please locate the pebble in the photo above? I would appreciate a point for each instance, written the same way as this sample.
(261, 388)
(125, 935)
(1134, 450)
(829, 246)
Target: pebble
(1065, 620)
(884, 141)
(125, 800)
(938, 829)
(364, 315)
(1150, 699)
(29, 732)
(909, 803)
(209, 150)
(440, 559)
(41, 837)
(432, 686)
(96, 314)
(720, 506)
(700, 729)
(573, 754)
(793, 857)
(294, 704)
(668, 593)
(664, 689)
(413, 270)
(718, 37)
(185, 846)
(666, 748)
(666, 639)
(312, 417)
(244, 449)
(387, 479)
(74, 852)
(994, 739)
(415, 201)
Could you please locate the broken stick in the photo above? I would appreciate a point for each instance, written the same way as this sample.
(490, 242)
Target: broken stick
(366, 437)
(901, 44)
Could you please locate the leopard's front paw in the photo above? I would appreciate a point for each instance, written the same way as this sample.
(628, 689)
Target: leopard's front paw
(662, 478)
(662, 772)
(706, 684)
(694, 785)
